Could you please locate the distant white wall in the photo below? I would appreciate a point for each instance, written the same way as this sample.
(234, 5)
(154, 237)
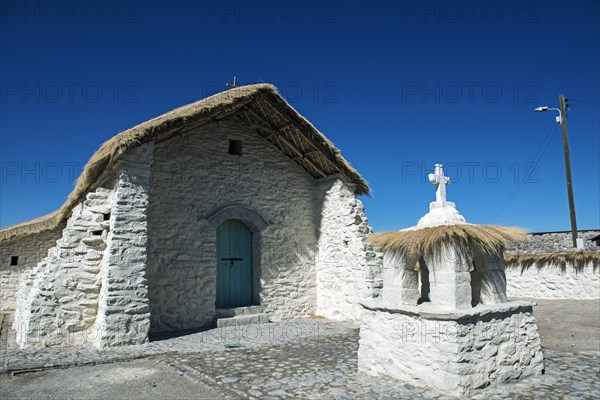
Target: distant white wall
(553, 242)
(553, 281)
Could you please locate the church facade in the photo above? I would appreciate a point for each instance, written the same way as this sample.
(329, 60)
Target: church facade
(235, 203)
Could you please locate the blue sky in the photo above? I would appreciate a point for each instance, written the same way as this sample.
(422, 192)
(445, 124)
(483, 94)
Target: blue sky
(397, 86)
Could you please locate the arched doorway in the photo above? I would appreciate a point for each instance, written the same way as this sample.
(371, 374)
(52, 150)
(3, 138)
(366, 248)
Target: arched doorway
(234, 264)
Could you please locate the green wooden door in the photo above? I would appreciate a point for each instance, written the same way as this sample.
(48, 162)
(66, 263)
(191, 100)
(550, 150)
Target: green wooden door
(234, 265)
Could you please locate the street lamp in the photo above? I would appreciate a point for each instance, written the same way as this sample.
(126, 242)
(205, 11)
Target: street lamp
(562, 120)
(544, 108)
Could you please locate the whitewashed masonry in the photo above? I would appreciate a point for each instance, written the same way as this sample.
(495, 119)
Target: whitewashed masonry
(137, 257)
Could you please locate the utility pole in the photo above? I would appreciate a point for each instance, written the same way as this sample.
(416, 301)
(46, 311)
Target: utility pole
(563, 123)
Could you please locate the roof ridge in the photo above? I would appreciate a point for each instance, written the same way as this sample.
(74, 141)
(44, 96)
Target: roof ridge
(163, 127)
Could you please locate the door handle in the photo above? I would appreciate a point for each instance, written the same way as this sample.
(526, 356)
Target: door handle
(232, 260)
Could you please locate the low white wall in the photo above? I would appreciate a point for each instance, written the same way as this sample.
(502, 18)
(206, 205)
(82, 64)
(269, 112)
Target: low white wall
(553, 281)
(30, 250)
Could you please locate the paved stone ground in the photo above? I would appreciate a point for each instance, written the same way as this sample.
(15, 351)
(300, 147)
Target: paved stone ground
(326, 368)
(308, 358)
(139, 379)
(569, 325)
(14, 359)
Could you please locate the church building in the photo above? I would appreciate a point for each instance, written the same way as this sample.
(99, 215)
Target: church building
(234, 208)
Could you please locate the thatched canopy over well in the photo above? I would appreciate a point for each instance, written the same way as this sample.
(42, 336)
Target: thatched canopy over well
(483, 238)
(259, 106)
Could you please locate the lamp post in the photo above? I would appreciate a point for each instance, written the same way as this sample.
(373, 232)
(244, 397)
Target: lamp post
(562, 120)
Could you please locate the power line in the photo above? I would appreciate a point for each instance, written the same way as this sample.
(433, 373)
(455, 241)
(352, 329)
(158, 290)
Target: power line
(540, 153)
(583, 101)
(538, 156)
(550, 134)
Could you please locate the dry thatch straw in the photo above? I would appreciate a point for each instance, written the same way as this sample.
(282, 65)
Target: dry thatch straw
(576, 258)
(258, 106)
(483, 238)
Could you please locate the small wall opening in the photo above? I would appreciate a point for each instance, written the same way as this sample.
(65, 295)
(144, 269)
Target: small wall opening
(97, 233)
(14, 260)
(235, 147)
(106, 216)
(476, 278)
(423, 282)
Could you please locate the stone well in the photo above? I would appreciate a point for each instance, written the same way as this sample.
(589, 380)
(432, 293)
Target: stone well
(443, 319)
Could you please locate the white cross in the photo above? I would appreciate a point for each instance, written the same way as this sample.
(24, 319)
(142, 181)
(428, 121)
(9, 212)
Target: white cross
(440, 181)
(234, 84)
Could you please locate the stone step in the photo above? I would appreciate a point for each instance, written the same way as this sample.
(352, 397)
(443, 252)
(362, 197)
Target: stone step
(248, 319)
(232, 312)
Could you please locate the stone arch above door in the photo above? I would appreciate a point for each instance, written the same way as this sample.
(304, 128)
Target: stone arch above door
(253, 219)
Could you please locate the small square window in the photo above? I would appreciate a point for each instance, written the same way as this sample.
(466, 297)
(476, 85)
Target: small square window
(14, 260)
(235, 147)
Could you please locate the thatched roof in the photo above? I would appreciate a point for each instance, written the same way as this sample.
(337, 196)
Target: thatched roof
(259, 106)
(576, 258)
(419, 241)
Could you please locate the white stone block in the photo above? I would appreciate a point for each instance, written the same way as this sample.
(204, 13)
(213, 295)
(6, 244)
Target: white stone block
(452, 352)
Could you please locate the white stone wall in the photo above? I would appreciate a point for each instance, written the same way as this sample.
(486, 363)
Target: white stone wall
(346, 267)
(154, 258)
(124, 310)
(30, 250)
(553, 281)
(58, 299)
(91, 289)
(193, 177)
(554, 242)
(452, 356)
(401, 284)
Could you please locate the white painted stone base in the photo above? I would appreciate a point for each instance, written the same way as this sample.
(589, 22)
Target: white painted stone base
(453, 352)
